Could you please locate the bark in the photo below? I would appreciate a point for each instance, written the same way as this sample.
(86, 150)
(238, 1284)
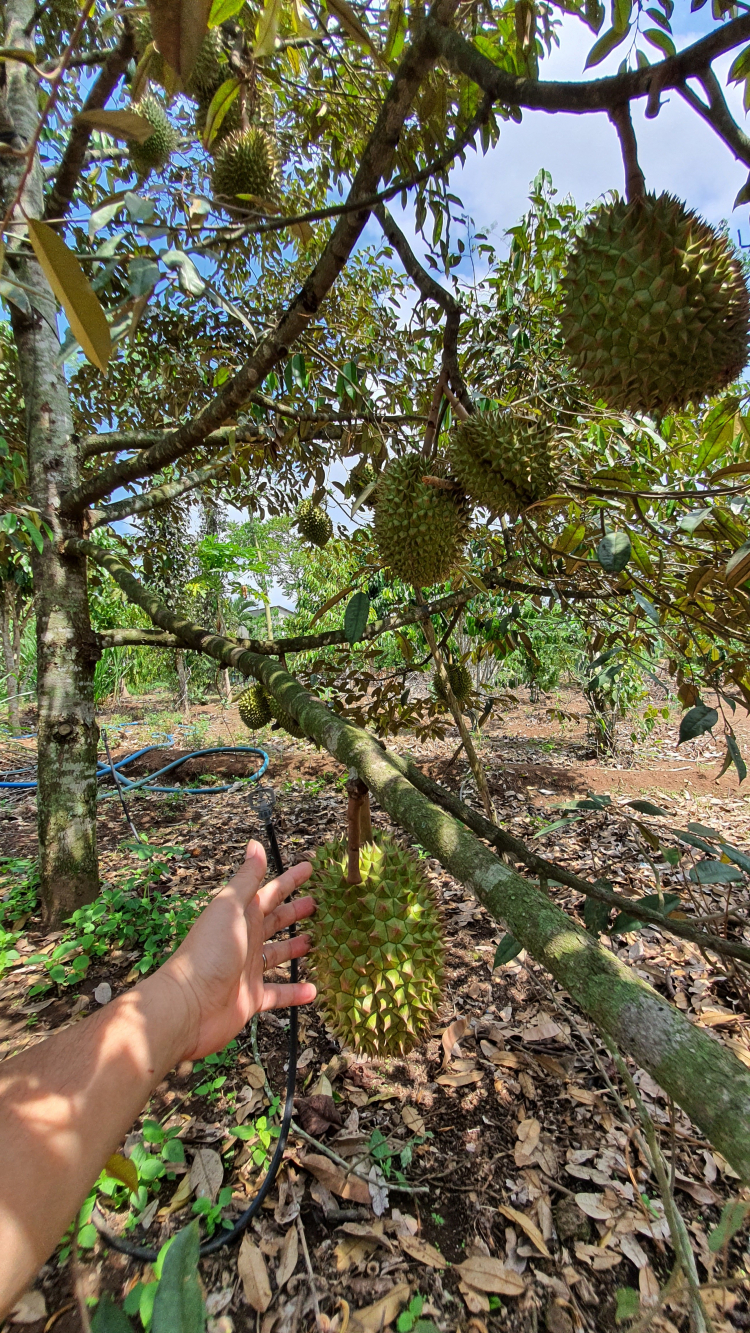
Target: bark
(183, 678)
(8, 624)
(697, 1071)
(66, 647)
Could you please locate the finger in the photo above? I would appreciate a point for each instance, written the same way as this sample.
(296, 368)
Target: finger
(245, 884)
(287, 914)
(277, 890)
(282, 950)
(287, 996)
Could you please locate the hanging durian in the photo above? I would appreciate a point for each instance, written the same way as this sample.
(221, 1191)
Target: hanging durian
(460, 680)
(504, 461)
(245, 165)
(156, 151)
(655, 306)
(208, 72)
(314, 523)
(377, 956)
(420, 529)
(284, 719)
(254, 707)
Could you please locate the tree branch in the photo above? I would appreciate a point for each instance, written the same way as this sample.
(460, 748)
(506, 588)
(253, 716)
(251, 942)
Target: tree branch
(160, 495)
(682, 1058)
(717, 114)
(129, 638)
(375, 164)
(61, 195)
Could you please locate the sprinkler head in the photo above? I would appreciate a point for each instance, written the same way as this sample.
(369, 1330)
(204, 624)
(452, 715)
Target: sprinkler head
(262, 801)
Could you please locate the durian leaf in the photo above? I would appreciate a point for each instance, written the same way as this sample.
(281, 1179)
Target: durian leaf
(648, 808)
(624, 922)
(715, 872)
(604, 45)
(221, 101)
(355, 617)
(647, 606)
(661, 40)
(738, 567)
(739, 858)
(267, 29)
(614, 552)
(118, 124)
(179, 30)
(733, 1215)
(735, 757)
(73, 290)
(221, 10)
(328, 604)
(506, 950)
(352, 26)
(697, 720)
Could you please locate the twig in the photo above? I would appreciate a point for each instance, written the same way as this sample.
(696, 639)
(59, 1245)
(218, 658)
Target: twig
(310, 1274)
(120, 793)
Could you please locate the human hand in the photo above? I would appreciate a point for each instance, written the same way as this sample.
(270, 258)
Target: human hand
(219, 965)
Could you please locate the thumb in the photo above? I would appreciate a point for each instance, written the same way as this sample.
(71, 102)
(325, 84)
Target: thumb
(250, 876)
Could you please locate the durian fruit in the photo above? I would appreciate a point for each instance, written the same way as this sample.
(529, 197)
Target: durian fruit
(655, 306)
(208, 73)
(245, 164)
(420, 530)
(156, 151)
(314, 523)
(143, 35)
(254, 707)
(504, 461)
(284, 719)
(460, 682)
(377, 955)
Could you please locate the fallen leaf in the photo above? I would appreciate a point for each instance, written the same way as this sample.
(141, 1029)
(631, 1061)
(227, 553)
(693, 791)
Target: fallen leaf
(374, 1318)
(491, 1275)
(593, 1205)
(422, 1251)
(460, 1080)
(251, 1267)
(476, 1301)
(179, 1198)
(526, 1224)
(122, 1169)
(451, 1037)
(206, 1174)
(351, 1252)
(633, 1251)
(29, 1309)
(306, 1058)
(318, 1114)
(702, 1194)
(412, 1119)
(336, 1179)
(288, 1258)
(255, 1076)
(648, 1286)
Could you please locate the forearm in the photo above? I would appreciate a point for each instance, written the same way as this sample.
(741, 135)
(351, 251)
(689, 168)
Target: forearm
(65, 1105)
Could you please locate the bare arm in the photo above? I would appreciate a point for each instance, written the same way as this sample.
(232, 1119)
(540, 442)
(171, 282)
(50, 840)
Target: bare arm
(66, 1104)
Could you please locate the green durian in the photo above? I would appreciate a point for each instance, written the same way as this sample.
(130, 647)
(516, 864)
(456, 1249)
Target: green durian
(245, 164)
(143, 36)
(420, 530)
(254, 707)
(460, 682)
(378, 947)
(655, 306)
(156, 151)
(314, 523)
(504, 461)
(208, 72)
(285, 719)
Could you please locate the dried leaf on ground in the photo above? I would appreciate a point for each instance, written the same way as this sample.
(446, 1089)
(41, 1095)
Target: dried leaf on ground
(373, 1318)
(476, 1301)
(422, 1251)
(318, 1114)
(206, 1174)
(491, 1275)
(526, 1224)
(251, 1267)
(336, 1179)
(29, 1309)
(413, 1120)
(460, 1080)
(288, 1257)
(179, 1198)
(648, 1285)
(451, 1037)
(593, 1205)
(255, 1076)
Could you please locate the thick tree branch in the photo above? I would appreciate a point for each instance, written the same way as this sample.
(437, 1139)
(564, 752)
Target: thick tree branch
(376, 163)
(154, 499)
(431, 290)
(682, 1058)
(61, 195)
(134, 638)
(581, 97)
(717, 114)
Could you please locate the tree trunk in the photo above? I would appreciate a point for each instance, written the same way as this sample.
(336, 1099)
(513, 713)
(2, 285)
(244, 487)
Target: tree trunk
(183, 695)
(8, 626)
(66, 647)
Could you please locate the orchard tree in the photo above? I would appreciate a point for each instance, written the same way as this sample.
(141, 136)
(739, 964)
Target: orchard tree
(192, 183)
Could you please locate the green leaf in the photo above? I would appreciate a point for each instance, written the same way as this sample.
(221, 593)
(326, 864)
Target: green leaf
(698, 719)
(614, 552)
(506, 950)
(73, 290)
(704, 831)
(550, 828)
(628, 1304)
(662, 40)
(220, 103)
(715, 872)
(692, 841)
(624, 922)
(595, 916)
(110, 1318)
(647, 606)
(355, 617)
(738, 857)
(88, 1236)
(671, 855)
(189, 277)
(648, 808)
(266, 29)
(173, 1151)
(606, 43)
(119, 124)
(178, 1307)
(735, 755)
(221, 10)
(733, 1215)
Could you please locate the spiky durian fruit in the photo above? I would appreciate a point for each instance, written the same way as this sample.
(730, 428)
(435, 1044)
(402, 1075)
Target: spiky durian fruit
(378, 948)
(314, 523)
(460, 682)
(655, 306)
(504, 461)
(254, 707)
(208, 73)
(245, 164)
(143, 35)
(420, 530)
(284, 719)
(156, 151)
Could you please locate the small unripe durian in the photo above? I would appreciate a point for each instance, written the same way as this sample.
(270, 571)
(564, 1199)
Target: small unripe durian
(314, 523)
(156, 151)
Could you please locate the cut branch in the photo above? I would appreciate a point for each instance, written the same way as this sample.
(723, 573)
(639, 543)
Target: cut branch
(116, 63)
(376, 162)
(682, 1058)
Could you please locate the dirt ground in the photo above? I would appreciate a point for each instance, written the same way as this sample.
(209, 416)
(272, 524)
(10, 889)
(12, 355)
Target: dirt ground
(496, 1172)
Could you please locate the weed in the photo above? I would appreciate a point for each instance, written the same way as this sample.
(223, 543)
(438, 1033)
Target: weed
(437, 1219)
(211, 1212)
(19, 884)
(410, 1321)
(259, 1134)
(381, 1152)
(211, 1087)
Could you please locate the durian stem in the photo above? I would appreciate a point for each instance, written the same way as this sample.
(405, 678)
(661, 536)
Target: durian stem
(635, 184)
(357, 793)
(480, 777)
(458, 407)
(430, 435)
(365, 819)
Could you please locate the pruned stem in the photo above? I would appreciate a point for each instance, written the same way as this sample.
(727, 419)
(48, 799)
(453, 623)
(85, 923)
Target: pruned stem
(357, 793)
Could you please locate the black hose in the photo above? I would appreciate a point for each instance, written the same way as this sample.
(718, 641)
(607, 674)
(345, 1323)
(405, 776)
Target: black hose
(223, 1238)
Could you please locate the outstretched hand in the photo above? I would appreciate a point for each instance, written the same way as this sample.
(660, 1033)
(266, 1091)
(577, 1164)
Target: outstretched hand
(219, 965)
